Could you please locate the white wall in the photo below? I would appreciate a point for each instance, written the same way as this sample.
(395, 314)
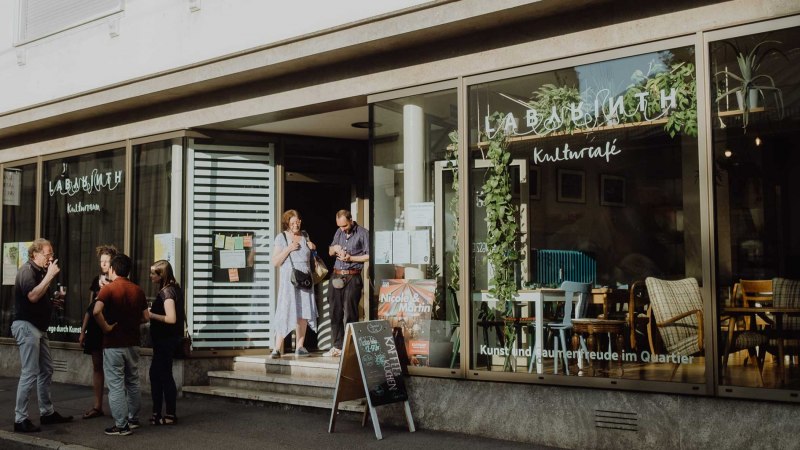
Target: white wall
(156, 36)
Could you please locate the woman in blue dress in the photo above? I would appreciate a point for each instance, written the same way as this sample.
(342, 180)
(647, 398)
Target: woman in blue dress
(296, 306)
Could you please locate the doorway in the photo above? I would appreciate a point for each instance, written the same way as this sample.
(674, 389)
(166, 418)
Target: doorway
(321, 177)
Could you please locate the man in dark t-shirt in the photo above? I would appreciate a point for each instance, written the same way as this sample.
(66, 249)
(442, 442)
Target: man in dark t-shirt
(32, 309)
(120, 308)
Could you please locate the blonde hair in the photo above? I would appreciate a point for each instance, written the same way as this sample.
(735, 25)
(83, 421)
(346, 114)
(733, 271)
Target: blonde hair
(163, 269)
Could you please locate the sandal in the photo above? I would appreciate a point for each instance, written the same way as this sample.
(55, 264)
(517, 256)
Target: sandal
(92, 413)
(155, 419)
(169, 419)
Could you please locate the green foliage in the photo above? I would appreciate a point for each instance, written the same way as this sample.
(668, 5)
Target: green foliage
(502, 227)
(451, 155)
(681, 77)
(550, 96)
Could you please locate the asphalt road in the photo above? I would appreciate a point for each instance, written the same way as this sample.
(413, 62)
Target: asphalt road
(213, 423)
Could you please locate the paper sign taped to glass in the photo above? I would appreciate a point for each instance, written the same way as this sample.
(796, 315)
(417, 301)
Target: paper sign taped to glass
(408, 304)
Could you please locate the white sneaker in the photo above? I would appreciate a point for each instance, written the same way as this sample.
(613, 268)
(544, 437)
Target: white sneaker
(333, 353)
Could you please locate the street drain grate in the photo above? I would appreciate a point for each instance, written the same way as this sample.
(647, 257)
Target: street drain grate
(616, 420)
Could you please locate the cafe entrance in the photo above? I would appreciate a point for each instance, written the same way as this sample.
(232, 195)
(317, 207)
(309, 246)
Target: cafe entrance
(321, 177)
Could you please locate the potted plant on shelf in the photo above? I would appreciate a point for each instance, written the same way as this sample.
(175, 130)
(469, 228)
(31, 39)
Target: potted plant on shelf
(751, 82)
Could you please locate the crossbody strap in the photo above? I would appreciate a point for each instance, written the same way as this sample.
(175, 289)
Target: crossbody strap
(287, 244)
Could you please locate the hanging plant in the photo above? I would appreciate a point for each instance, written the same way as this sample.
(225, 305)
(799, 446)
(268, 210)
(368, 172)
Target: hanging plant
(681, 77)
(502, 228)
(451, 155)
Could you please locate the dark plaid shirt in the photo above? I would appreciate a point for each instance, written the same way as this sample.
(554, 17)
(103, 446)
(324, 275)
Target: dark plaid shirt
(356, 244)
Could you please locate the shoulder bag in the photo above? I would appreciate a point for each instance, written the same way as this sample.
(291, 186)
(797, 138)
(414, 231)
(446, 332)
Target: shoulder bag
(299, 278)
(318, 268)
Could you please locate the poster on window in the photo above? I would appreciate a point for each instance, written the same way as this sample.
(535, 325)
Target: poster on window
(408, 304)
(10, 262)
(12, 184)
(164, 247)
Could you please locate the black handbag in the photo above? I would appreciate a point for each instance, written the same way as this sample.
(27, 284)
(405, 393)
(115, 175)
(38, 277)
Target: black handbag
(299, 278)
(184, 348)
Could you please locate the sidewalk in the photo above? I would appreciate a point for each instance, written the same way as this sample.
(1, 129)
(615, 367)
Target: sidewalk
(216, 424)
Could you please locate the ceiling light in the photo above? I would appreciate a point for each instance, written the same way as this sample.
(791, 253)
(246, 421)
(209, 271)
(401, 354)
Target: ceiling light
(758, 141)
(365, 124)
(728, 153)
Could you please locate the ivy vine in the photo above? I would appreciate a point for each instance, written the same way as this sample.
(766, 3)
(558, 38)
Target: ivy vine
(451, 156)
(502, 228)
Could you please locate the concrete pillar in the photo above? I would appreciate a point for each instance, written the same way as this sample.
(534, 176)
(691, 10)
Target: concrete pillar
(413, 167)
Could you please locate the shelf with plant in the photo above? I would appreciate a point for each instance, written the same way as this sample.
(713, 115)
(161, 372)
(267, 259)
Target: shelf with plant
(751, 83)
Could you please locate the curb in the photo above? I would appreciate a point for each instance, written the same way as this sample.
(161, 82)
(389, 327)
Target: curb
(14, 441)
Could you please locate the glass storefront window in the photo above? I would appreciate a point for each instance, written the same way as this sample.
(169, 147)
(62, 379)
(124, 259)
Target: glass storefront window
(19, 226)
(83, 206)
(755, 100)
(155, 223)
(415, 223)
(588, 174)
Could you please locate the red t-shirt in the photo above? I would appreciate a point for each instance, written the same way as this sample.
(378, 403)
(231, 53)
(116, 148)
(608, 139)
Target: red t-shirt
(123, 303)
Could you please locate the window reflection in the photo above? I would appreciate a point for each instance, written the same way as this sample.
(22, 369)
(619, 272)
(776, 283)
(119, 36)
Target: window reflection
(19, 224)
(754, 122)
(605, 185)
(415, 224)
(83, 206)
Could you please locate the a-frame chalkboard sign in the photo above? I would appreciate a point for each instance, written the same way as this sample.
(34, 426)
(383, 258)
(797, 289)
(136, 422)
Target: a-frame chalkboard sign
(370, 367)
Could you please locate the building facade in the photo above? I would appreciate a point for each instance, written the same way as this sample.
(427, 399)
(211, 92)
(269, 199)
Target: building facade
(644, 151)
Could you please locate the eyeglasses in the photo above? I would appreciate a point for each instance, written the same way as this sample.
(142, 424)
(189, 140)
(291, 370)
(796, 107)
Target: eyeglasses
(47, 255)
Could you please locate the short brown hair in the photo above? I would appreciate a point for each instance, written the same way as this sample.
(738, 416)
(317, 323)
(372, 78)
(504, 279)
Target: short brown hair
(344, 213)
(109, 250)
(287, 216)
(37, 246)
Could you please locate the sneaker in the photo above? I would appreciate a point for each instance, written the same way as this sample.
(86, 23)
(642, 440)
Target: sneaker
(134, 423)
(301, 352)
(117, 431)
(333, 352)
(55, 417)
(26, 426)
(275, 354)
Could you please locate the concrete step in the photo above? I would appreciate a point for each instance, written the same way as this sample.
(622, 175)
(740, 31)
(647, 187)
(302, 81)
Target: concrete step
(274, 382)
(313, 366)
(357, 406)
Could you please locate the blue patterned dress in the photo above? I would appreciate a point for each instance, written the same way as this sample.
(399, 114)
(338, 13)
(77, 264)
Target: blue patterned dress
(293, 303)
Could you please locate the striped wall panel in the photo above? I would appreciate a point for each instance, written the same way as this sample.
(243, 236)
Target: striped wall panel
(233, 190)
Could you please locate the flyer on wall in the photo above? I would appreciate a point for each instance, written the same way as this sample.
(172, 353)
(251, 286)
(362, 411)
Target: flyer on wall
(408, 304)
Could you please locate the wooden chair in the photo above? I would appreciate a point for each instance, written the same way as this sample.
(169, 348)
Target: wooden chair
(786, 295)
(755, 292)
(676, 311)
(638, 303)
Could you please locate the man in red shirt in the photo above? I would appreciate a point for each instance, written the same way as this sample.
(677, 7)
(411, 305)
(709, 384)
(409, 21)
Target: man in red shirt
(121, 307)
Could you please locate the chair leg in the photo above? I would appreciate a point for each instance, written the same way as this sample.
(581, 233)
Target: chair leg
(564, 346)
(674, 369)
(456, 348)
(555, 356)
(759, 364)
(531, 339)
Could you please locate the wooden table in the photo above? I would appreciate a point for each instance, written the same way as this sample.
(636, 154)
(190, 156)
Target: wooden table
(752, 311)
(594, 326)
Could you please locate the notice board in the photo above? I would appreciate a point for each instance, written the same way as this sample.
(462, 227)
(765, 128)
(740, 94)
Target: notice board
(233, 256)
